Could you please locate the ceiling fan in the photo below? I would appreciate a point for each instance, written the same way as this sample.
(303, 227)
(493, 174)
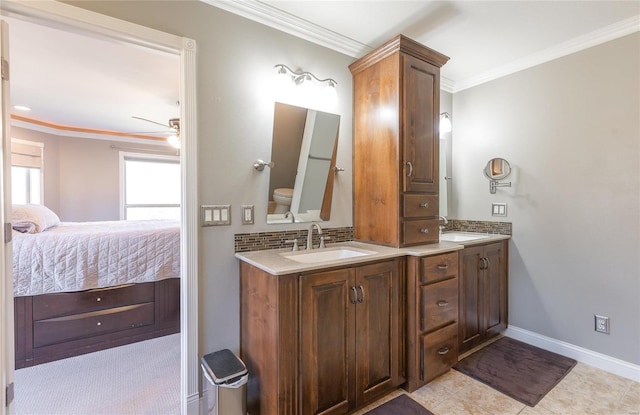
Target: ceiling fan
(173, 129)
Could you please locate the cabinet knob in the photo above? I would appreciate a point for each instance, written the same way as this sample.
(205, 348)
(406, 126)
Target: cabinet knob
(442, 303)
(424, 205)
(443, 351)
(424, 231)
(99, 323)
(98, 299)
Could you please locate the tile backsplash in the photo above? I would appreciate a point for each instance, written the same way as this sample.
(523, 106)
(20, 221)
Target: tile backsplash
(245, 242)
(501, 228)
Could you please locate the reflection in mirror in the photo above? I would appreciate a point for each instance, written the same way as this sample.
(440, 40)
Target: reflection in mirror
(304, 154)
(497, 169)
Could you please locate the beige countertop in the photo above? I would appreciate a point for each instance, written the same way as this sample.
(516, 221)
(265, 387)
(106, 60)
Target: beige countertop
(279, 262)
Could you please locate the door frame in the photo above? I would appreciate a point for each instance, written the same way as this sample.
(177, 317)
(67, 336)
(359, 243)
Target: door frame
(77, 19)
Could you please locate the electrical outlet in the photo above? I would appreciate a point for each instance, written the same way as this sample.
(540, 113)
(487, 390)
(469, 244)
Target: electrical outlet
(602, 324)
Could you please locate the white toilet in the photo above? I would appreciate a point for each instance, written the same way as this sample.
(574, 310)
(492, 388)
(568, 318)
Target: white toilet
(282, 197)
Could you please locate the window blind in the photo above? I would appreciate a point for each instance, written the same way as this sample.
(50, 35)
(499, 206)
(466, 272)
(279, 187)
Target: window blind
(26, 154)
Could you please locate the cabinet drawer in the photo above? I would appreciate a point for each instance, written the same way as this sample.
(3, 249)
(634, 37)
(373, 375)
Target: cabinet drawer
(439, 267)
(417, 206)
(62, 304)
(439, 351)
(77, 326)
(439, 304)
(416, 232)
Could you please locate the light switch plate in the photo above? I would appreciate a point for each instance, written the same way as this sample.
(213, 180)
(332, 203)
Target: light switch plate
(215, 215)
(247, 214)
(498, 209)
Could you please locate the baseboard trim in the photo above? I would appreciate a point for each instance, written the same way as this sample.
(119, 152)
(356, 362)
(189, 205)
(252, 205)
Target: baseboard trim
(193, 404)
(599, 360)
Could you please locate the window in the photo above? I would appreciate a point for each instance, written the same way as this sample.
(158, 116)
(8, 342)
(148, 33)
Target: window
(26, 171)
(150, 186)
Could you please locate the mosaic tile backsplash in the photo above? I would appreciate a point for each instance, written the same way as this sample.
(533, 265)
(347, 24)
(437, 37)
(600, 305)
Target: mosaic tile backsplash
(246, 242)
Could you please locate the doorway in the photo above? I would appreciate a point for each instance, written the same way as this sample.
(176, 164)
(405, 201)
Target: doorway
(75, 19)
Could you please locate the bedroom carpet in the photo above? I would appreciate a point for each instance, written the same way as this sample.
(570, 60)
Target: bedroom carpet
(522, 371)
(139, 378)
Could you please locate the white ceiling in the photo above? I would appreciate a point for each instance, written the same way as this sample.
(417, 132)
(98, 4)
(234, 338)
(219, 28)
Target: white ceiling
(77, 80)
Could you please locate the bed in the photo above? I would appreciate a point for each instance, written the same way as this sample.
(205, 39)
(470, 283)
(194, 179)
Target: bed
(81, 287)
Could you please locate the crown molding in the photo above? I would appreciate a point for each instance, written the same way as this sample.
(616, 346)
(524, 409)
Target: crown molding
(597, 37)
(288, 23)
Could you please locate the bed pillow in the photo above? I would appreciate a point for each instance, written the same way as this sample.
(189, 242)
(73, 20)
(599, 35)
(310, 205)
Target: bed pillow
(33, 218)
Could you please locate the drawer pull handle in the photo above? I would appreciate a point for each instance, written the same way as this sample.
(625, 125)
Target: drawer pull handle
(443, 266)
(410, 168)
(424, 205)
(361, 299)
(98, 299)
(355, 295)
(443, 351)
(442, 303)
(99, 323)
(424, 230)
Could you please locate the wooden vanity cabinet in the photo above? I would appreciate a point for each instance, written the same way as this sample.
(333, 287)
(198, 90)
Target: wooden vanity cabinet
(323, 342)
(396, 144)
(483, 293)
(432, 317)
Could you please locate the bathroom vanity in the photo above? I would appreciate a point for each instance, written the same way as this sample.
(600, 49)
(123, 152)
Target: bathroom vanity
(321, 337)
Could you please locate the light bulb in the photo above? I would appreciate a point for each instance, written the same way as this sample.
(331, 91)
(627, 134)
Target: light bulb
(445, 123)
(174, 141)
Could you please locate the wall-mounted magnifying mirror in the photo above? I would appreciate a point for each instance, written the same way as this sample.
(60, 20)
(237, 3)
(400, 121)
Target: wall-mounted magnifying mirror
(303, 153)
(495, 170)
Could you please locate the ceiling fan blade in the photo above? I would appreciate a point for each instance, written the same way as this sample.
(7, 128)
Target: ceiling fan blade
(145, 119)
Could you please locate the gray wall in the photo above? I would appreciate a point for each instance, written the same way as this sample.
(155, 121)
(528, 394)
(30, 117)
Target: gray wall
(235, 72)
(570, 129)
(82, 176)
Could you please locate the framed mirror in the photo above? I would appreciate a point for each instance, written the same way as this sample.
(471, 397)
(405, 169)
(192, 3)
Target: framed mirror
(303, 151)
(497, 169)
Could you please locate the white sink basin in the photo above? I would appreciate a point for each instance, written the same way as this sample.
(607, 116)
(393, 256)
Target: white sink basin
(326, 254)
(462, 236)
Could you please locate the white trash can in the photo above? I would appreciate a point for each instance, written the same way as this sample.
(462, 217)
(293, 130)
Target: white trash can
(224, 384)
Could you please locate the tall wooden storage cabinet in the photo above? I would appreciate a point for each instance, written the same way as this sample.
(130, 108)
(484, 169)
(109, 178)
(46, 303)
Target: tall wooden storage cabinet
(395, 161)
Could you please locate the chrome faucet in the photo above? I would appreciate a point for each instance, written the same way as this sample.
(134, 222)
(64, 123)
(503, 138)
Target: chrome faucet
(289, 215)
(310, 234)
(445, 222)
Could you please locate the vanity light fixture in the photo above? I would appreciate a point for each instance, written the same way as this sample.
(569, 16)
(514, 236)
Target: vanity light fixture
(306, 82)
(445, 123)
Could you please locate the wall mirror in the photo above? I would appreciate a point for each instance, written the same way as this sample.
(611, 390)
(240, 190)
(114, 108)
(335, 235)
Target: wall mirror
(495, 170)
(303, 151)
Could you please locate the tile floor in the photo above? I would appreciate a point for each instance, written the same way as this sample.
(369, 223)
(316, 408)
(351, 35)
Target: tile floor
(584, 391)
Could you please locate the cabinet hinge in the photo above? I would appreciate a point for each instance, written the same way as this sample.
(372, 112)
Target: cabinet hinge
(5, 69)
(8, 232)
(9, 394)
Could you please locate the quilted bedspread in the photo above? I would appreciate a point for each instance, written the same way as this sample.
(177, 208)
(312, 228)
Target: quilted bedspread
(76, 256)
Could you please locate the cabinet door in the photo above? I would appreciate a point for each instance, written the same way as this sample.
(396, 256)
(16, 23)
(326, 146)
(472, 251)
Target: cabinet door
(470, 307)
(495, 289)
(327, 327)
(379, 331)
(421, 97)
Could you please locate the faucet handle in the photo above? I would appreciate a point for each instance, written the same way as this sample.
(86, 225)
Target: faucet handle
(294, 242)
(322, 239)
